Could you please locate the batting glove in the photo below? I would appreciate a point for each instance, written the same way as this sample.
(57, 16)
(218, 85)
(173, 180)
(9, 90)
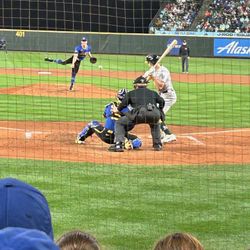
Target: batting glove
(149, 73)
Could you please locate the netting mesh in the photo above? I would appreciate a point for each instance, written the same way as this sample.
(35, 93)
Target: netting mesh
(54, 135)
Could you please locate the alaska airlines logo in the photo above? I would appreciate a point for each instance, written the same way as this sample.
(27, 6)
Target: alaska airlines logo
(233, 48)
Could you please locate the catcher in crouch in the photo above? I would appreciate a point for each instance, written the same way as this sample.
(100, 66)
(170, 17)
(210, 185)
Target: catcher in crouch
(81, 51)
(106, 132)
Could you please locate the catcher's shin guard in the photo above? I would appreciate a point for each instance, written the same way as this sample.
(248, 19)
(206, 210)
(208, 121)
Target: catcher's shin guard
(85, 133)
(94, 124)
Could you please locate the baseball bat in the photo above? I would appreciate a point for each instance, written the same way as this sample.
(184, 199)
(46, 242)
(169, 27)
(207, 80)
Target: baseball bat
(167, 50)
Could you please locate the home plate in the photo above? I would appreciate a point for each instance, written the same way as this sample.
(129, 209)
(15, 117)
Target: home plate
(44, 73)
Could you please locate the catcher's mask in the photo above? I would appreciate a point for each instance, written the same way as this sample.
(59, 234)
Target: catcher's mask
(140, 81)
(152, 59)
(121, 94)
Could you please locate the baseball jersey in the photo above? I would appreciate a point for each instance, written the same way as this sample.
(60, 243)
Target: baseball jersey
(82, 52)
(110, 123)
(164, 75)
(167, 92)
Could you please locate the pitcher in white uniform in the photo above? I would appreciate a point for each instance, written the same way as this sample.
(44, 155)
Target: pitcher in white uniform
(163, 83)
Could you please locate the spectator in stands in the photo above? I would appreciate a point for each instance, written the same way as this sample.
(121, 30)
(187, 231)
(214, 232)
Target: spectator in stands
(77, 240)
(184, 53)
(22, 205)
(177, 16)
(226, 16)
(237, 30)
(15, 238)
(178, 241)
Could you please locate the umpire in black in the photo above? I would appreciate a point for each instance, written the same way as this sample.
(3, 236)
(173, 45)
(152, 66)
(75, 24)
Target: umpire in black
(184, 56)
(147, 108)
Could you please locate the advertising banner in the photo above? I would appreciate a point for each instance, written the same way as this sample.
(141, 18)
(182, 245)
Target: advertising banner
(231, 47)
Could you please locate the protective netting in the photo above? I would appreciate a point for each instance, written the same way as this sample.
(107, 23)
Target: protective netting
(57, 123)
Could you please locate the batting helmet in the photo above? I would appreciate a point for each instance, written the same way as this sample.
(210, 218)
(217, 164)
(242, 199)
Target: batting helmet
(152, 59)
(140, 80)
(121, 94)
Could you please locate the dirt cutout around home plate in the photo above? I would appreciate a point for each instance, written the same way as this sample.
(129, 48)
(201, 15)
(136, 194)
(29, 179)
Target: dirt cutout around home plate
(56, 141)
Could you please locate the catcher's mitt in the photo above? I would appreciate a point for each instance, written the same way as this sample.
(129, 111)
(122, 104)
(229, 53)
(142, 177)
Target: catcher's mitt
(128, 144)
(93, 60)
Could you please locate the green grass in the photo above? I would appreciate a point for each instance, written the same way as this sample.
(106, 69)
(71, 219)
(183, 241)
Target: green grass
(130, 207)
(198, 104)
(128, 63)
(50, 108)
(216, 105)
(8, 81)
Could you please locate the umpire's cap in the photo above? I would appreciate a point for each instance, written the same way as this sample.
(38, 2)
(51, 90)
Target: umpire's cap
(152, 59)
(140, 81)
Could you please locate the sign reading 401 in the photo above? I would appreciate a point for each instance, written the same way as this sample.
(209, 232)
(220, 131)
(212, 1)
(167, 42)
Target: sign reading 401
(20, 33)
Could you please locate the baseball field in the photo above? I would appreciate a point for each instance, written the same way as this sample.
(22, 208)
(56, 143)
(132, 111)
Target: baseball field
(198, 184)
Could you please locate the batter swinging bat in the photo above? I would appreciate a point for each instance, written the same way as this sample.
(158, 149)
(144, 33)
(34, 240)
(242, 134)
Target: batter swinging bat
(167, 50)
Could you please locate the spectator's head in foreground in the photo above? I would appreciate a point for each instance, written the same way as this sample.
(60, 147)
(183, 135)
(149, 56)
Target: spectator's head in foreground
(178, 241)
(16, 238)
(22, 205)
(77, 240)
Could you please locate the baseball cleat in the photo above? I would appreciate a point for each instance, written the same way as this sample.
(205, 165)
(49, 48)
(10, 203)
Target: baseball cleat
(168, 138)
(47, 59)
(71, 88)
(77, 141)
(157, 148)
(116, 148)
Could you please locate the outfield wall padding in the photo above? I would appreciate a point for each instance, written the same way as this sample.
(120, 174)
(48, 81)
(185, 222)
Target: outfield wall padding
(103, 43)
